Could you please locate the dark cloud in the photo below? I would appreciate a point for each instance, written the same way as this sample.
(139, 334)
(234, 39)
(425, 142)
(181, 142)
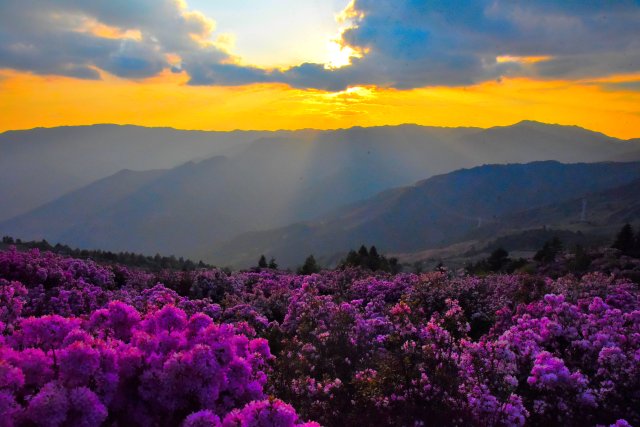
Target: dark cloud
(442, 42)
(56, 37)
(624, 86)
(405, 43)
(205, 72)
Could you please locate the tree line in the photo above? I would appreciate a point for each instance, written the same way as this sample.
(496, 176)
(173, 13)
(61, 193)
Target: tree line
(153, 263)
(626, 241)
(367, 259)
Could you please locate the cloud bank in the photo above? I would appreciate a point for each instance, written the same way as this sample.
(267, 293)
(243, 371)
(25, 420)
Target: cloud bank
(403, 43)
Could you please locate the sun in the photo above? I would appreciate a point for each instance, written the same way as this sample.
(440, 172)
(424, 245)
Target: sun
(338, 55)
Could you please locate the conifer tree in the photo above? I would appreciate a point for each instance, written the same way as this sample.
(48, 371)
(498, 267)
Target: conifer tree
(373, 261)
(581, 259)
(549, 251)
(363, 253)
(498, 259)
(310, 266)
(352, 259)
(262, 263)
(625, 240)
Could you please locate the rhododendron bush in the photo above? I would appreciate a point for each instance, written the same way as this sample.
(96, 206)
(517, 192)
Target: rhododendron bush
(85, 344)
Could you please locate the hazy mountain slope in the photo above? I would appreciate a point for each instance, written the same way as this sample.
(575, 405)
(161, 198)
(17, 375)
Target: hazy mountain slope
(632, 154)
(282, 178)
(168, 215)
(334, 168)
(73, 209)
(39, 165)
(611, 207)
(192, 207)
(343, 166)
(187, 207)
(531, 141)
(526, 231)
(435, 212)
(330, 168)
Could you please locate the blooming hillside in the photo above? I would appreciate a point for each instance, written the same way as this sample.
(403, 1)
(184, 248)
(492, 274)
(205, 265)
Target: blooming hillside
(85, 344)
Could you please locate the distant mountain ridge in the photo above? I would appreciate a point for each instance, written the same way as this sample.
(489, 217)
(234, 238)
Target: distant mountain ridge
(595, 209)
(442, 210)
(185, 193)
(39, 165)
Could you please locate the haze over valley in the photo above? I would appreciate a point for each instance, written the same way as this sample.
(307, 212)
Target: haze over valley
(227, 198)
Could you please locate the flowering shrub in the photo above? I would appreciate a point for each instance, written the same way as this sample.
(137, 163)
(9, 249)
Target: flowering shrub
(86, 344)
(153, 370)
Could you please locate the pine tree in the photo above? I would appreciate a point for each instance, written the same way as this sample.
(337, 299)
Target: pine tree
(310, 266)
(363, 253)
(351, 260)
(262, 263)
(272, 264)
(549, 251)
(581, 259)
(498, 259)
(394, 265)
(556, 245)
(625, 240)
(373, 261)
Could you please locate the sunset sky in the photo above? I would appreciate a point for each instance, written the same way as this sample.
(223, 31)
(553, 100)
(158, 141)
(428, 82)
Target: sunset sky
(273, 64)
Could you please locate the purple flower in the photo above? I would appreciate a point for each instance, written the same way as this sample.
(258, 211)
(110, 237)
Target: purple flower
(204, 418)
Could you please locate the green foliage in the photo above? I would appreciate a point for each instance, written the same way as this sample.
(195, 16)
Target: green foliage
(262, 263)
(497, 262)
(371, 260)
(549, 251)
(498, 259)
(310, 266)
(152, 263)
(625, 240)
(581, 260)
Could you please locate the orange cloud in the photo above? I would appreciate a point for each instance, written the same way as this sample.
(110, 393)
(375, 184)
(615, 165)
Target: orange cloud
(522, 59)
(98, 29)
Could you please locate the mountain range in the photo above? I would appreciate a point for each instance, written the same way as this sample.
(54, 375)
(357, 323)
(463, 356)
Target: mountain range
(228, 197)
(470, 204)
(39, 165)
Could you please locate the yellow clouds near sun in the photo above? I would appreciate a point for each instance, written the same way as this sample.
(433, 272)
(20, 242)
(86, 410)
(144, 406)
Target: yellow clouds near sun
(28, 101)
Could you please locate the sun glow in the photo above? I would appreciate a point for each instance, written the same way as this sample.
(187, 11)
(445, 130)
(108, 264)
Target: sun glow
(28, 101)
(98, 29)
(522, 59)
(339, 55)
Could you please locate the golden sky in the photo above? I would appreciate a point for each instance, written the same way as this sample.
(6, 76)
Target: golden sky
(292, 64)
(29, 101)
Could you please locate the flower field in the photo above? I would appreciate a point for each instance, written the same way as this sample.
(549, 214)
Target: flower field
(85, 344)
